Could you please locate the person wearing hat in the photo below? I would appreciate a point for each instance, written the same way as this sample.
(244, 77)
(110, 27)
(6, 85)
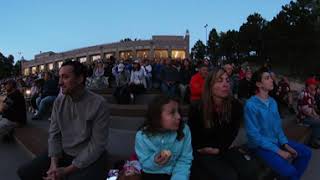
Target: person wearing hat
(122, 81)
(123, 76)
(307, 110)
(12, 110)
(137, 82)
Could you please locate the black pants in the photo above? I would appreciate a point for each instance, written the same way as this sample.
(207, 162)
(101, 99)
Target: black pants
(230, 165)
(38, 167)
(33, 102)
(136, 88)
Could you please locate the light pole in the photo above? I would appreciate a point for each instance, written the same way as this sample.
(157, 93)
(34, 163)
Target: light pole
(206, 27)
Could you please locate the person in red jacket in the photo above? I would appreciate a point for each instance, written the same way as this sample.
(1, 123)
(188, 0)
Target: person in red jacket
(197, 82)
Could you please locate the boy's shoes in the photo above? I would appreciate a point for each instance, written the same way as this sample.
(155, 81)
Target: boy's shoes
(314, 144)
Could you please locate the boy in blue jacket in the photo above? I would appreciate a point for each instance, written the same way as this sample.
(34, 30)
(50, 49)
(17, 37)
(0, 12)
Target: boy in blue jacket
(265, 135)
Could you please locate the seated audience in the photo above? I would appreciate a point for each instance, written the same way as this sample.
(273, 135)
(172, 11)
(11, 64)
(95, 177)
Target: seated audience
(77, 133)
(170, 78)
(266, 138)
(197, 83)
(121, 92)
(284, 93)
(307, 113)
(12, 109)
(214, 123)
(49, 92)
(99, 80)
(186, 74)
(148, 73)
(137, 82)
(246, 88)
(163, 144)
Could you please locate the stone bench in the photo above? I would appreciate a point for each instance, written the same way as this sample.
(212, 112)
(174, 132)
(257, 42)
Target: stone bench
(110, 91)
(137, 110)
(121, 139)
(34, 140)
(139, 99)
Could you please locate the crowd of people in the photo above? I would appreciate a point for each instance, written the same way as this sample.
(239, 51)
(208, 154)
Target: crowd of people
(220, 98)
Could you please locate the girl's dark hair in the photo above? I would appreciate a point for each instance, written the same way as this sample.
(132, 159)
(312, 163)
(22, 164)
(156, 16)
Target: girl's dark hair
(78, 69)
(152, 124)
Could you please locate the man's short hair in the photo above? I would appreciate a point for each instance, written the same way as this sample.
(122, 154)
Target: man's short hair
(78, 69)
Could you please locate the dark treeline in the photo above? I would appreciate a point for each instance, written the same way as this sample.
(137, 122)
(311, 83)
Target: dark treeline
(7, 66)
(291, 40)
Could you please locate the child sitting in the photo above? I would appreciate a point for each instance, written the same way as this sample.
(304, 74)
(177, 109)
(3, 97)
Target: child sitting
(163, 144)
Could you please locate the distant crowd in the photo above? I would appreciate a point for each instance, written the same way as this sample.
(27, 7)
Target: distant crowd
(166, 147)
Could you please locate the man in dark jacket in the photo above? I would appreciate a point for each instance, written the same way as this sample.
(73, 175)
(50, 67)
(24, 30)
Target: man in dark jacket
(169, 77)
(49, 93)
(12, 109)
(246, 87)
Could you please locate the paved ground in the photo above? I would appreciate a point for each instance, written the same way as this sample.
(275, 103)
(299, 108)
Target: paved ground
(11, 157)
(313, 172)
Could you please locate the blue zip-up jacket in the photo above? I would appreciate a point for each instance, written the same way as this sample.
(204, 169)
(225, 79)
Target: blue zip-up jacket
(147, 146)
(263, 124)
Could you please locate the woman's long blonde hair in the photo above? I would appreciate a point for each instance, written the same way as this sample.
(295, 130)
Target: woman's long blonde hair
(210, 117)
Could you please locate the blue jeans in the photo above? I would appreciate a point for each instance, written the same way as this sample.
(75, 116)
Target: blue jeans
(44, 103)
(149, 82)
(169, 90)
(293, 170)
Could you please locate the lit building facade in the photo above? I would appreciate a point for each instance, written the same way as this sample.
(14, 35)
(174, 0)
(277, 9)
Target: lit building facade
(159, 47)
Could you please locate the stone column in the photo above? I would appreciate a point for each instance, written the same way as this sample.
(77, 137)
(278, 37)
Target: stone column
(117, 54)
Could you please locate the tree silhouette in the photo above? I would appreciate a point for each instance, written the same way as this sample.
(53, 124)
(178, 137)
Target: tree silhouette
(198, 51)
(213, 44)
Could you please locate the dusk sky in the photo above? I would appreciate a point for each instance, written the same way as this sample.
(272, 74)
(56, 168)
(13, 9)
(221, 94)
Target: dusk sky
(31, 26)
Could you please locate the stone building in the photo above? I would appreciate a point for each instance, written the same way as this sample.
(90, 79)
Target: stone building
(159, 47)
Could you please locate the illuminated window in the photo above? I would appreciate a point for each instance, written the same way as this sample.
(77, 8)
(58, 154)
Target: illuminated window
(26, 71)
(50, 66)
(108, 55)
(41, 68)
(34, 70)
(161, 54)
(126, 55)
(95, 57)
(178, 54)
(83, 59)
(60, 64)
(143, 54)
